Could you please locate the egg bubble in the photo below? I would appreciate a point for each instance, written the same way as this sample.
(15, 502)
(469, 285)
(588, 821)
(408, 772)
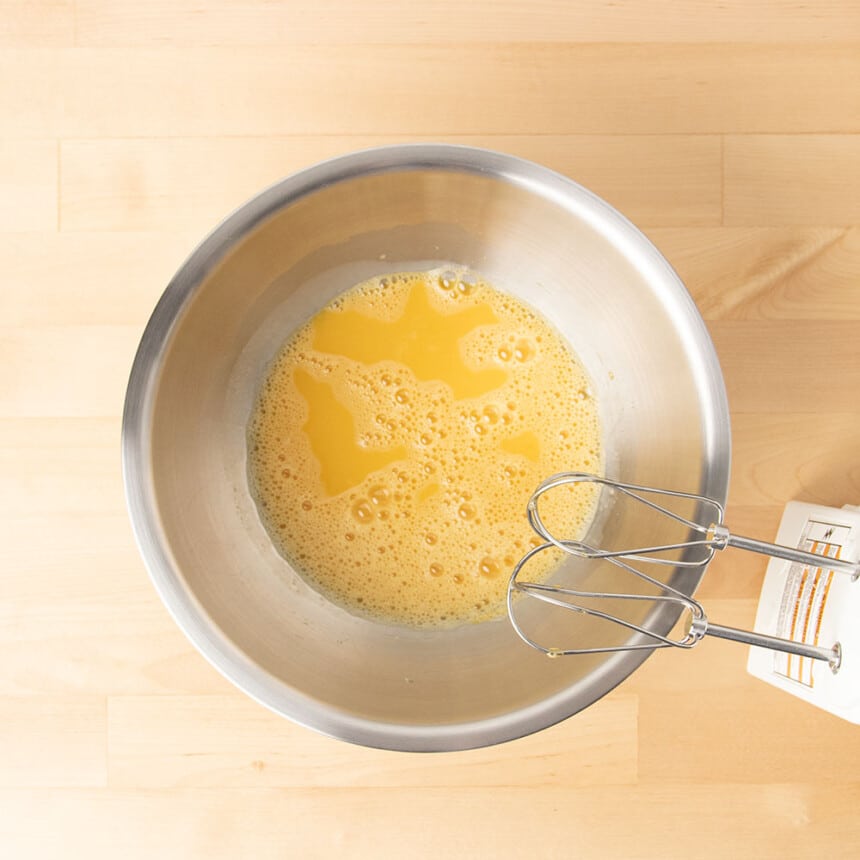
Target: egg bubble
(428, 532)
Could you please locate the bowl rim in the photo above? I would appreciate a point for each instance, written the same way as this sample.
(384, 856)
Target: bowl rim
(189, 613)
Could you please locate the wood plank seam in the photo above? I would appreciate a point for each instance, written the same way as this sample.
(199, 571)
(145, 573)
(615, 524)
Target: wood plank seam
(59, 185)
(722, 180)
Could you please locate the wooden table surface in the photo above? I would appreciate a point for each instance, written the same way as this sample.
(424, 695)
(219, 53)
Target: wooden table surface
(729, 131)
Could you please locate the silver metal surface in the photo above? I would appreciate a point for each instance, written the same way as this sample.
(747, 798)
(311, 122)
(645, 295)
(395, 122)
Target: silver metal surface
(597, 602)
(832, 655)
(264, 271)
(798, 556)
(715, 535)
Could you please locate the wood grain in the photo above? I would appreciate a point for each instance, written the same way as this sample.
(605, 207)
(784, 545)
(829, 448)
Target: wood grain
(135, 184)
(677, 722)
(53, 741)
(777, 819)
(37, 23)
(73, 377)
(104, 642)
(789, 366)
(813, 456)
(60, 466)
(728, 130)
(782, 273)
(28, 185)
(89, 279)
(320, 89)
(802, 179)
(226, 22)
(159, 741)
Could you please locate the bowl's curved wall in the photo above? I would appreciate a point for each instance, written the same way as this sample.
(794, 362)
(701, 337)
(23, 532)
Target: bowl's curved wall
(270, 266)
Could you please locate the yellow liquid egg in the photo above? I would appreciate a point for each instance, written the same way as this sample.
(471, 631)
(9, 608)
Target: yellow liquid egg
(398, 436)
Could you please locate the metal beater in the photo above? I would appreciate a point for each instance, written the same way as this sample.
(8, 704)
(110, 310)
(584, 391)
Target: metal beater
(713, 535)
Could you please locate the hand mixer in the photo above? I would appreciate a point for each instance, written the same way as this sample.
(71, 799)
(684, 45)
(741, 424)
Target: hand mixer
(709, 534)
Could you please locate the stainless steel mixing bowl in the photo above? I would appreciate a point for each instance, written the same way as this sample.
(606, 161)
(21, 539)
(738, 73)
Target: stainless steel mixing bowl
(264, 271)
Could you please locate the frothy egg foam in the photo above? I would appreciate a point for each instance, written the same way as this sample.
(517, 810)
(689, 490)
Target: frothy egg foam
(398, 435)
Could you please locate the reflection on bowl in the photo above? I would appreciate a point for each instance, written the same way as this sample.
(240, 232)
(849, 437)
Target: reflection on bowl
(267, 269)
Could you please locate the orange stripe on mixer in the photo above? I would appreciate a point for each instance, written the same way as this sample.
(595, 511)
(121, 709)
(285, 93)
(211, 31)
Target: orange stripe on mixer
(808, 617)
(822, 605)
(794, 615)
(828, 582)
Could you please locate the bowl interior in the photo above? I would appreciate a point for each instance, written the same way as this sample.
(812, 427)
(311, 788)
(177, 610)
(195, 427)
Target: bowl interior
(264, 272)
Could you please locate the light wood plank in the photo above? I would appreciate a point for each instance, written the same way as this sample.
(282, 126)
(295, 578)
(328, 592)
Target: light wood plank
(814, 457)
(48, 741)
(162, 741)
(732, 272)
(781, 734)
(88, 555)
(28, 184)
(31, 101)
(707, 693)
(789, 366)
(748, 273)
(719, 819)
(168, 114)
(37, 23)
(225, 22)
(500, 89)
(99, 645)
(801, 179)
(65, 371)
(78, 612)
(64, 279)
(60, 466)
(106, 632)
(167, 184)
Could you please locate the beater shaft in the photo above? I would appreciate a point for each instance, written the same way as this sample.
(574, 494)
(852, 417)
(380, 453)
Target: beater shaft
(710, 536)
(722, 538)
(833, 655)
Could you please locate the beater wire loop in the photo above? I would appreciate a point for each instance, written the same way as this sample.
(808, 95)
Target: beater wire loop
(714, 536)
